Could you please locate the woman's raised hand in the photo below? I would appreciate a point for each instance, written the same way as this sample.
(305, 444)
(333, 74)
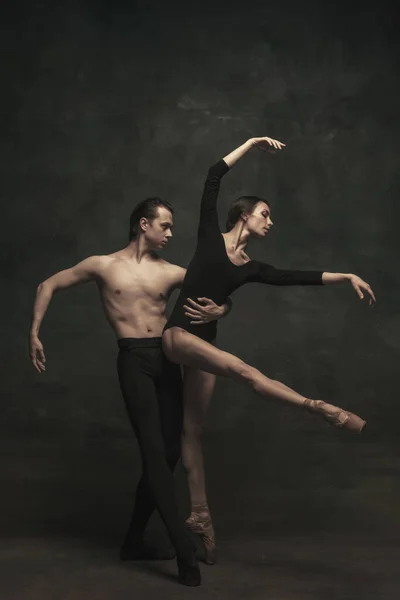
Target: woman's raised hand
(263, 143)
(267, 143)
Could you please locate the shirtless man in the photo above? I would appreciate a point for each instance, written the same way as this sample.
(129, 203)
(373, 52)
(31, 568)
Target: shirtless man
(134, 285)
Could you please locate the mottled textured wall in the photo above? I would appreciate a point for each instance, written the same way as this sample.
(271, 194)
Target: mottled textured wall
(104, 105)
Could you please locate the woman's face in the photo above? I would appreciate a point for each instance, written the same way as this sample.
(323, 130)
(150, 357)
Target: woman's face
(259, 221)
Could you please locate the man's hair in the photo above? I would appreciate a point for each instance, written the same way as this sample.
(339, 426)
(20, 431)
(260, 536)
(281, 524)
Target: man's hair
(243, 205)
(147, 209)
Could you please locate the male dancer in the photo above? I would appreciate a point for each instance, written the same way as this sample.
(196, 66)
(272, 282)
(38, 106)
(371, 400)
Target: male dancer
(134, 285)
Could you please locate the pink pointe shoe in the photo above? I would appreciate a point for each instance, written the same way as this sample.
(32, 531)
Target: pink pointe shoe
(199, 522)
(336, 416)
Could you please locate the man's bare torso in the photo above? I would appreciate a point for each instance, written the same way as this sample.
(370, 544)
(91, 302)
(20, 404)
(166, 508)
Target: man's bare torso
(135, 295)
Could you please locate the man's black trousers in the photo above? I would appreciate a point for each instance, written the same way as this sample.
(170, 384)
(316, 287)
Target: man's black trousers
(152, 389)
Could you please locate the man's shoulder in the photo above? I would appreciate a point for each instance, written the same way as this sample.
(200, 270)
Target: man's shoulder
(171, 267)
(96, 264)
(113, 259)
(166, 264)
(99, 259)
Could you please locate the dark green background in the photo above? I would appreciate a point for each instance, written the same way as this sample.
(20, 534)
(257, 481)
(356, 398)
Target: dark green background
(103, 105)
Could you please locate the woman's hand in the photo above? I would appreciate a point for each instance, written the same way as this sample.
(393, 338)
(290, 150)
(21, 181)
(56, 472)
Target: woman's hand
(202, 313)
(263, 143)
(267, 143)
(360, 285)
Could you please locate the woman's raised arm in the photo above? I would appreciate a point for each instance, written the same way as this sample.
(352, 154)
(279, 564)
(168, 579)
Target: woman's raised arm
(263, 143)
(208, 210)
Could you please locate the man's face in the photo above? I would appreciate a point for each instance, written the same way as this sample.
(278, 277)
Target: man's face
(159, 230)
(259, 222)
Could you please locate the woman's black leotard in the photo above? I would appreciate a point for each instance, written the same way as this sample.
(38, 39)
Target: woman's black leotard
(211, 274)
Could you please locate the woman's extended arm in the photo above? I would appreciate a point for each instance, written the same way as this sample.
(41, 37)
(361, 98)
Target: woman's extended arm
(265, 273)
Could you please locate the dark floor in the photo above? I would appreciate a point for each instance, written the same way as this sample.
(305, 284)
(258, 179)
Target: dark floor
(280, 568)
(66, 502)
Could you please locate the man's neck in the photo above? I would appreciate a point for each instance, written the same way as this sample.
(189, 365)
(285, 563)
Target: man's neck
(138, 250)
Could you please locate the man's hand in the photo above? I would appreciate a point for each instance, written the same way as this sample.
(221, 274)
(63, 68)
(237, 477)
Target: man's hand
(36, 353)
(360, 285)
(205, 312)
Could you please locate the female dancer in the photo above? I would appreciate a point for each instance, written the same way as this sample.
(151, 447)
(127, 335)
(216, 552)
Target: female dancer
(219, 266)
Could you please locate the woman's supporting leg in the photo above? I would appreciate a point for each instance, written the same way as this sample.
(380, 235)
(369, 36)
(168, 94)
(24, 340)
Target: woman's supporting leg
(189, 350)
(198, 391)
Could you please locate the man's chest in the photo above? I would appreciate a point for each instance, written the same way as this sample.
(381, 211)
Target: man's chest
(152, 282)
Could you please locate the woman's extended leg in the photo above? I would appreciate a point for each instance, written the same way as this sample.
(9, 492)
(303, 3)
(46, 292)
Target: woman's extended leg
(189, 350)
(198, 391)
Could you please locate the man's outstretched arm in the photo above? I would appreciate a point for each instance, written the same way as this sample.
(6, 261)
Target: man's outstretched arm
(80, 273)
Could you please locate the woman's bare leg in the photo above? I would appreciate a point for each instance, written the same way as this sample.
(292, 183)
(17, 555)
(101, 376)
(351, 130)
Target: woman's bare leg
(189, 350)
(198, 390)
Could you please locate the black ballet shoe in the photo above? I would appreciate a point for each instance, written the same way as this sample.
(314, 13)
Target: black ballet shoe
(142, 551)
(336, 416)
(189, 571)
